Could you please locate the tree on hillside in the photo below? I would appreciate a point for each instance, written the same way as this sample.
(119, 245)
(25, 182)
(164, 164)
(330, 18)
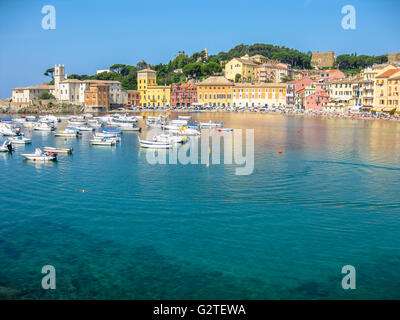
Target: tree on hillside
(192, 70)
(50, 73)
(142, 65)
(211, 68)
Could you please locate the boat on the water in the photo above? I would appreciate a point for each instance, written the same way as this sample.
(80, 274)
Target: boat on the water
(39, 155)
(68, 133)
(154, 144)
(211, 124)
(58, 150)
(44, 126)
(184, 117)
(103, 141)
(84, 128)
(167, 138)
(6, 146)
(224, 129)
(19, 140)
(7, 129)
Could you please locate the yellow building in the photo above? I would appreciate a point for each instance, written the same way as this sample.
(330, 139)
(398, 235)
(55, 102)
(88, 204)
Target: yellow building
(386, 90)
(243, 66)
(151, 94)
(215, 91)
(259, 95)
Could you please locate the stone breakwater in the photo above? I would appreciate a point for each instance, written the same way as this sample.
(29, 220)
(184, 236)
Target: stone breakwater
(40, 107)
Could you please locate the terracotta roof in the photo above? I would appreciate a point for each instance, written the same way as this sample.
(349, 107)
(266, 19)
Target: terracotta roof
(388, 73)
(216, 80)
(42, 87)
(261, 85)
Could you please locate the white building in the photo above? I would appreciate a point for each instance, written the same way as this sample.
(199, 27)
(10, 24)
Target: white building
(73, 90)
(26, 95)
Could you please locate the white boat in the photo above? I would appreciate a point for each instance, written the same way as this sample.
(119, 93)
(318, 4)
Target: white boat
(44, 126)
(224, 129)
(128, 127)
(84, 128)
(211, 124)
(185, 131)
(19, 140)
(94, 123)
(99, 136)
(6, 146)
(154, 144)
(178, 122)
(184, 117)
(39, 155)
(166, 138)
(67, 133)
(102, 141)
(48, 119)
(7, 129)
(58, 150)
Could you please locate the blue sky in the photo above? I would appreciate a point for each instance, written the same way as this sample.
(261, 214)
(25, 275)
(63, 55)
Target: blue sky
(92, 35)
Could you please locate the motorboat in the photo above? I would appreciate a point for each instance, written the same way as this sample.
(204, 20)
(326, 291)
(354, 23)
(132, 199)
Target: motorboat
(178, 122)
(6, 146)
(102, 141)
(211, 124)
(58, 150)
(84, 128)
(94, 123)
(100, 136)
(44, 126)
(185, 131)
(184, 117)
(128, 127)
(113, 131)
(19, 140)
(154, 144)
(7, 129)
(68, 133)
(166, 138)
(39, 155)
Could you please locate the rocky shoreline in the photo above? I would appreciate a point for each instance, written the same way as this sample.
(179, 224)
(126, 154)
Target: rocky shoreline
(41, 107)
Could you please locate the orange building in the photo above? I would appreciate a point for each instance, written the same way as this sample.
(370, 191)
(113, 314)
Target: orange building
(134, 98)
(215, 92)
(98, 95)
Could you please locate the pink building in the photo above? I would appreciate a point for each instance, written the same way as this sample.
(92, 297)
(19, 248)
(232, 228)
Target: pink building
(332, 74)
(183, 95)
(303, 83)
(317, 100)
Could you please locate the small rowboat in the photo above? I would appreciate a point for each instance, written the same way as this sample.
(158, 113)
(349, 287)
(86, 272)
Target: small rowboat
(39, 155)
(211, 124)
(225, 130)
(103, 142)
(67, 133)
(154, 144)
(58, 150)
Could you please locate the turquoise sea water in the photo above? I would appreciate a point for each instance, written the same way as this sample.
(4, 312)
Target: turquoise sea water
(142, 231)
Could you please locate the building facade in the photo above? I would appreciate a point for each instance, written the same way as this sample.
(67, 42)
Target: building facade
(133, 97)
(323, 59)
(27, 95)
(259, 95)
(215, 91)
(98, 94)
(151, 94)
(386, 90)
(184, 95)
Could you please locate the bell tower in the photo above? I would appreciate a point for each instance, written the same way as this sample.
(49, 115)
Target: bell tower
(59, 75)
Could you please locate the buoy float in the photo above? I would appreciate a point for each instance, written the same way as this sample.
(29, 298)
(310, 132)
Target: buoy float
(280, 151)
